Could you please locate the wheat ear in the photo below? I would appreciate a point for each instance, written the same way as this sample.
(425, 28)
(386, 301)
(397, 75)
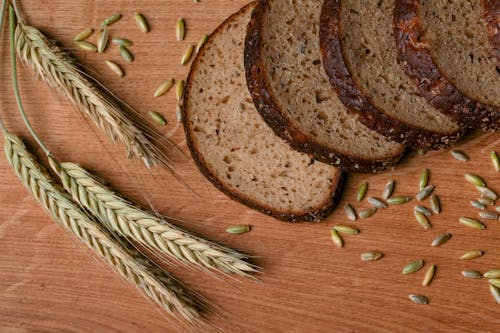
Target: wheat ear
(121, 216)
(56, 68)
(161, 288)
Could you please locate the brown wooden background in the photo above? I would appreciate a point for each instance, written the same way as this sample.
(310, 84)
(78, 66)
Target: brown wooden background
(48, 283)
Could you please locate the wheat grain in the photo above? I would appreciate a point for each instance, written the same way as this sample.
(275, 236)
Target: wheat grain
(146, 228)
(56, 68)
(161, 288)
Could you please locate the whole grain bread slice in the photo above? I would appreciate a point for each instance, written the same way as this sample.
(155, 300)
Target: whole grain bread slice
(360, 57)
(290, 89)
(443, 45)
(233, 146)
(492, 18)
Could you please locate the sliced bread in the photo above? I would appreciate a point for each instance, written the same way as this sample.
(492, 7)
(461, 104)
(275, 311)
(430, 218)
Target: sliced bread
(233, 146)
(360, 58)
(492, 18)
(291, 91)
(443, 45)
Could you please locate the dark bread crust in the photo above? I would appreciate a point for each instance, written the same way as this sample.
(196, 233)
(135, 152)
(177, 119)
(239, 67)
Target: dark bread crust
(356, 101)
(314, 215)
(492, 18)
(279, 121)
(431, 82)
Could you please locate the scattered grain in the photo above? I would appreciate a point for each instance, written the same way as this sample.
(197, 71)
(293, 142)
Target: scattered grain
(142, 23)
(350, 212)
(471, 274)
(83, 35)
(413, 267)
(459, 155)
(472, 255)
(425, 192)
(371, 256)
(441, 239)
(471, 223)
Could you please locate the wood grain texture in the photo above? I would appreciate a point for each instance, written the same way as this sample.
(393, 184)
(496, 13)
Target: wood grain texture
(47, 283)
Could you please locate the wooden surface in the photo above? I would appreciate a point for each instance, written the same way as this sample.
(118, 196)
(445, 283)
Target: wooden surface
(49, 283)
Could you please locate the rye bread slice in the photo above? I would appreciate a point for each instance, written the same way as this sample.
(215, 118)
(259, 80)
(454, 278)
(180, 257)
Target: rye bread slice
(492, 18)
(360, 57)
(443, 46)
(290, 89)
(235, 149)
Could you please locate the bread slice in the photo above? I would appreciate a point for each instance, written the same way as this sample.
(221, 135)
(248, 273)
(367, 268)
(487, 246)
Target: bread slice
(233, 146)
(492, 18)
(291, 91)
(444, 47)
(360, 58)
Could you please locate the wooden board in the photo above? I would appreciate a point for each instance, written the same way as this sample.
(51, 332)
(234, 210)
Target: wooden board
(48, 283)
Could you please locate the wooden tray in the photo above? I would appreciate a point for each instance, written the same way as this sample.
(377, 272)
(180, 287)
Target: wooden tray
(48, 283)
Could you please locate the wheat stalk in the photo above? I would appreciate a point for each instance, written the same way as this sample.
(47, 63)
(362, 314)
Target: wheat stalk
(56, 68)
(119, 215)
(165, 291)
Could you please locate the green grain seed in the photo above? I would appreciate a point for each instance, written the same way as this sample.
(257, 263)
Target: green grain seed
(164, 88)
(111, 19)
(441, 239)
(180, 29)
(179, 90)
(418, 299)
(202, 41)
(459, 155)
(477, 204)
(350, 212)
(471, 274)
(83, 35)
(367, 212)
(489, 215)
(422, 220)
(376, 202)
(115, 68)
(157, 117)
(423, 180)
(423, 210)
(472, 255)
(399, 200)
(471, 223)
(495, 292)
(435, 204)
(493, 274)
(388, 189)
(102, 40)
(362, 189)
(238, 229)
(142, 23)
(371, 256)
(187, 55)
(122, 42)
(424, 193)
(487, 192)
(429, 275)
(126, 54)
(474, 179)
(86, 46)
(413, 267)
(337, 240)
(344, 229)
(495, 160)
